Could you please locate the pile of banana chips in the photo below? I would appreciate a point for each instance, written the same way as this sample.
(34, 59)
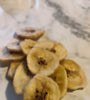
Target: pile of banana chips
(38, 66)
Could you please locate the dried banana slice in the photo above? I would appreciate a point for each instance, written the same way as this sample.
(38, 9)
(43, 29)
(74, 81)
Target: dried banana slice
(60, 77)
(26, 45)
(44, 37)
(12, 69)
(6, 56)
(29, 33)
(75, 75)
(21, 78)
(54, 47)
(14, 46)
(42, 88)
(42, 61)
(70, 65)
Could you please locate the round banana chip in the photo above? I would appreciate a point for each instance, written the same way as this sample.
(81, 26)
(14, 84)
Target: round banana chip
(75, 75)
(12, 69)
(6, 56)
(21, 78)
(26, 45)
(60, 77)
(54, 47)
(14, 46)
(29, 33)
(42, 88)
(42, 61)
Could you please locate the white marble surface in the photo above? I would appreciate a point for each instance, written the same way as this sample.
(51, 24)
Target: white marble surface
(65, 21)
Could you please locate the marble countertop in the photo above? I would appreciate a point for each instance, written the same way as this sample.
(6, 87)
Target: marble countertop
(65, 21)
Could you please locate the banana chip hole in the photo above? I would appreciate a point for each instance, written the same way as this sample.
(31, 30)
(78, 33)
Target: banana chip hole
(42, 61)
(53, 50)
(30, 30)
(37, 91)
(36, 96)
(55, 77)
(46, 93)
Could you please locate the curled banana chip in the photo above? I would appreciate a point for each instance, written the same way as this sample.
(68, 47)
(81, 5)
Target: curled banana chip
(6, 55)
(54, 47)
(42, 88)
(21, 78)
(26, 45)
(42, 61)
(14, 46)
(12, 69)
(29, 33)
(75, 75)
(60, 77)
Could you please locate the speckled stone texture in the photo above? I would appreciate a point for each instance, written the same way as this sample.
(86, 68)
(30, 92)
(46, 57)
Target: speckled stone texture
(66, 21)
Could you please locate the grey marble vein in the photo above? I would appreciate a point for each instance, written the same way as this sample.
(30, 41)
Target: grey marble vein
(76, 28)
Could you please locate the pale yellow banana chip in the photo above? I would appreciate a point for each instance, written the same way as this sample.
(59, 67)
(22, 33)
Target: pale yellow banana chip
(14, 46)
(26, 45)
(60, 77)
(29, 33)
(12, 69)
(42, 88)
(54, 47)
(75, 75)
(42, 61)
(21, 78)
(6, 55)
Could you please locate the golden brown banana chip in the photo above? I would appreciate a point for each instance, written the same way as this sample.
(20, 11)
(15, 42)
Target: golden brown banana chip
(6, 56)
(26, 45)
(54, 47)
(75, 75)
(21, 78)
(42, 88)
(14, 46)
(12, 69)
(44, 37)
(29, 33)
(60, 77)
(42, 61)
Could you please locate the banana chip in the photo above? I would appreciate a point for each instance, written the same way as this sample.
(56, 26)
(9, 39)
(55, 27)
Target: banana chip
(42, 61)
(42, 88)
(29, 33)
(26, 45)
(6, 56)
(75, 75)
(44, 37)
(12, 69)
(14, 46)
(54, 47)
(60, 77)
(21, 78)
